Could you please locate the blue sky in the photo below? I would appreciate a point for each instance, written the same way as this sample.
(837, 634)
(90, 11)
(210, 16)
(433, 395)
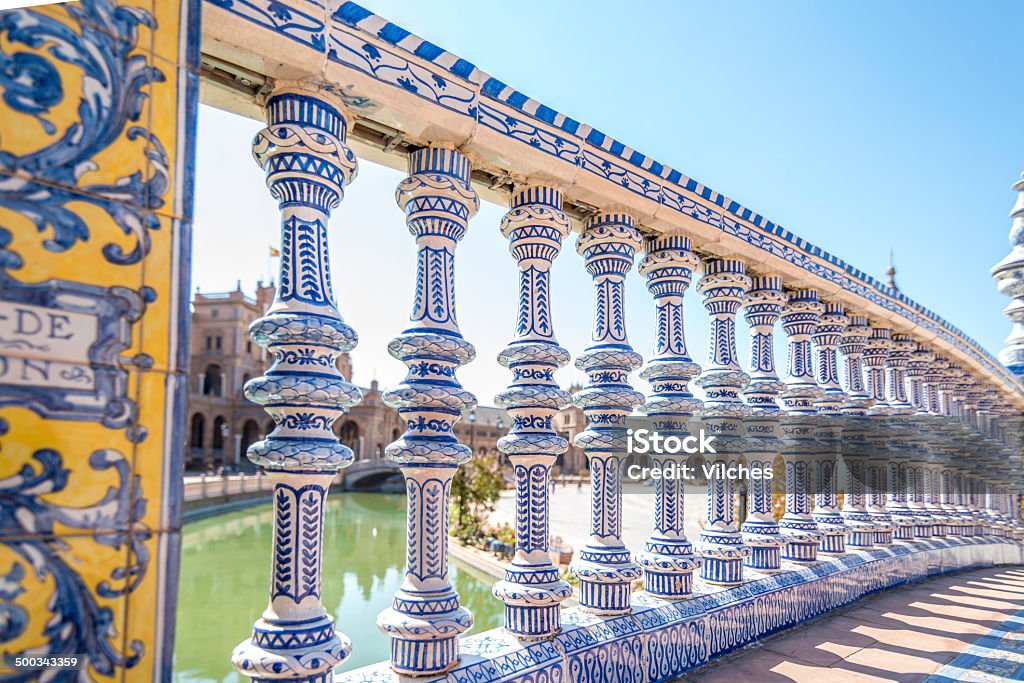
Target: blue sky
(862, 127)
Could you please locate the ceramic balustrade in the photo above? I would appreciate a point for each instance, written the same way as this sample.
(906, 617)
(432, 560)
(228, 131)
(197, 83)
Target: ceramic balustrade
(426, 618)
(603, 566)
(532, 591)
(801, 451)
(760, 530)
(723, 286)
(826, 338)
(668, 560)
(307, 163)
(876, 351)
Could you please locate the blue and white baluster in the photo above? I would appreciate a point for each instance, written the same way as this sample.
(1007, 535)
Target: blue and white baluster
(425, 619)
(875, 353)
(933, 434)
(302, 391)
(901, 441)
(941, 444)
(919, 470)
(760, 530)
(604, 568)
(724, 286)
(855, 449)
(961, 494)
(975, 441)
(531, 590)
(827, 336)
(799, 320)
(990, 474)
(668, 560)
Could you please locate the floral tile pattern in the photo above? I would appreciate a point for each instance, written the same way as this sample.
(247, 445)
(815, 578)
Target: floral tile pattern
(95, 195)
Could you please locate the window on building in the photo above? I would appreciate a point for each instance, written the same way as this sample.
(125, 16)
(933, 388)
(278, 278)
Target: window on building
(248, 347)
(218, 342)
(219, 433)
(209, 342)
(198, 427)
(214, 384)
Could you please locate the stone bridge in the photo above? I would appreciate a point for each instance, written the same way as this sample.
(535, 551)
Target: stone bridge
(371, 475)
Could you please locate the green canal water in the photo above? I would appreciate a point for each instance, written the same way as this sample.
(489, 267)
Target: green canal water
(225, 574)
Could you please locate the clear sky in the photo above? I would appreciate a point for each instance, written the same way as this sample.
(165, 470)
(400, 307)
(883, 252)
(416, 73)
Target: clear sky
(860, 126)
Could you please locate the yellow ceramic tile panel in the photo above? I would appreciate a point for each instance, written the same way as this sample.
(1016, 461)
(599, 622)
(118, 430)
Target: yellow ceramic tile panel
(90, 618)
(160, 331)
(77, 465)
(150, 467)
(110, 92)
(145, 607)
(166, 103)
(99, 136)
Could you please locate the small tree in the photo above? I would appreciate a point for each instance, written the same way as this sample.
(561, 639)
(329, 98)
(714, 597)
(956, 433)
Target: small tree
(475, 489)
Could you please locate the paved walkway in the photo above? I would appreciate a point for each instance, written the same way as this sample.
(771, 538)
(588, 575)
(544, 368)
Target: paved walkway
(570, 513)
(968, 627)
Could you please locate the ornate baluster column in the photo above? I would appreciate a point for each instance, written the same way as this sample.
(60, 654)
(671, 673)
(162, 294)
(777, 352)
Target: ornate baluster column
(901, 437)
(939, 458)
(979, 452)
(961, 493)
(535, 227)
(603, 567)
(760, 530)
(919, 471)
(855, 451)
(302, 391)
(947, 441)
(425, 619)
(724, 286)
(875, 352)
(668, 560)
(826, 338)
(799, 320)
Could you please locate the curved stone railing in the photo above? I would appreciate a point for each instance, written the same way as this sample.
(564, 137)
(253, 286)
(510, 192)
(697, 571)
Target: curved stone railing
(926, 425)
(403, 90)
(659, 640)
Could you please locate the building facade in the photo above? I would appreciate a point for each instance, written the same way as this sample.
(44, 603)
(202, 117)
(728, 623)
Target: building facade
(222, 423)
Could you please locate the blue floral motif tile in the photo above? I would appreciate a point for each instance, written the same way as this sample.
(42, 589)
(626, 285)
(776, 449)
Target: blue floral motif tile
(674, 636)
(602, 649)
(498, 656)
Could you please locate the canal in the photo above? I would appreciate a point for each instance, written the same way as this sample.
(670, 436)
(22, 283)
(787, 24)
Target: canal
(225, 571)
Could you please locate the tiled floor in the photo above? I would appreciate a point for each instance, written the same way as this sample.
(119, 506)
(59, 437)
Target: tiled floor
(968, 627)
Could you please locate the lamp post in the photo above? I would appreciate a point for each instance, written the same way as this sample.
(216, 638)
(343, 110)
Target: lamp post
(225, 434)
(472, 430)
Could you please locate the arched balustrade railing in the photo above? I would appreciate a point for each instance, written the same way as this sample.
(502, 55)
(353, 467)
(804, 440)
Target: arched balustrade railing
(915, 437)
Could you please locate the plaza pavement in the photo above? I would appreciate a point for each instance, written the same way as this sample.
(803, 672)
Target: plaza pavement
(968, 627)
(949, 629)
(570, 513)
